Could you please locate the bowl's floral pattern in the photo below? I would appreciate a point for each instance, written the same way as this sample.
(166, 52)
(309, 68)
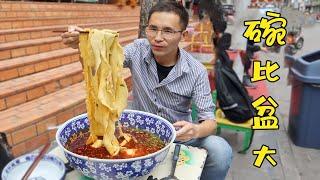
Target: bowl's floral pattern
(124, 168)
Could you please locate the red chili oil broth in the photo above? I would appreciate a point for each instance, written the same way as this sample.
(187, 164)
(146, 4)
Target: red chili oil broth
(147, 143)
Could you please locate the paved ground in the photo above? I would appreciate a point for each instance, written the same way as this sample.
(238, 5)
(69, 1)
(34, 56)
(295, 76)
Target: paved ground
(293, 162)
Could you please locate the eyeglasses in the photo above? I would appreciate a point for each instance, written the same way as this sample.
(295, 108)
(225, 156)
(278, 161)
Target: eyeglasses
(166, 33)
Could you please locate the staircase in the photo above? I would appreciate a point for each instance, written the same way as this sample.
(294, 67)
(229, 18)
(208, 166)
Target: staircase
(40, 78)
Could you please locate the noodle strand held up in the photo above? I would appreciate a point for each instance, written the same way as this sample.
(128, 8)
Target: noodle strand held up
(107, 92)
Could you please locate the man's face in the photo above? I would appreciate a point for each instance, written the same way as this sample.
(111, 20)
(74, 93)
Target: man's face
(164, 33)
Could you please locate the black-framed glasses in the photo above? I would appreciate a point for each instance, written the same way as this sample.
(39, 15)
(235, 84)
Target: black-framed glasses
(166, 33)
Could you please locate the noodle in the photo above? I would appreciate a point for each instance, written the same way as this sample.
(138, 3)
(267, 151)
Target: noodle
(107, 92)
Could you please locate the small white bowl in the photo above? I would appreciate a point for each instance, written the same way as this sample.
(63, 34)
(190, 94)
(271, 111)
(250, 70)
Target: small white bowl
(49, 168)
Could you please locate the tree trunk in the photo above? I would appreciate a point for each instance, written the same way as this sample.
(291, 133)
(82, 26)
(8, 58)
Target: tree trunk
(145, 6)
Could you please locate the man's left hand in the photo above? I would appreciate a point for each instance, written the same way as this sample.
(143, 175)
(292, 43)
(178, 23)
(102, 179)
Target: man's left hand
(187, 130)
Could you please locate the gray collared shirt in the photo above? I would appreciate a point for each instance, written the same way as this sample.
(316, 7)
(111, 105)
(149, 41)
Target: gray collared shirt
(171, 98)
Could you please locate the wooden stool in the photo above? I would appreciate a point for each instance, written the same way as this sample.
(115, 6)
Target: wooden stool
(243, 127)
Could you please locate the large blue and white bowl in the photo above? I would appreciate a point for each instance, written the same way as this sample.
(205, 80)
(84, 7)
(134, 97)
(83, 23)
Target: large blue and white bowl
(118, 168)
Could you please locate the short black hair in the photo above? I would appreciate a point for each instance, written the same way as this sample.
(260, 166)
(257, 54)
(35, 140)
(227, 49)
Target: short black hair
(171, 6)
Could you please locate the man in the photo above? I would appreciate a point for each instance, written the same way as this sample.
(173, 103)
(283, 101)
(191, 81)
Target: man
(166, 79)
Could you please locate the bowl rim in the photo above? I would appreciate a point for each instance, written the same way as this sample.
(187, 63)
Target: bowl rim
(34, 154)
(61, 127)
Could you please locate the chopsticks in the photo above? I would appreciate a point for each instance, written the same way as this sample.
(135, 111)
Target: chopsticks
(63, 31)
(36, 161)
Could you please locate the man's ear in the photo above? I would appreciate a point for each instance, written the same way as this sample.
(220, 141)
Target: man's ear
(185, 34)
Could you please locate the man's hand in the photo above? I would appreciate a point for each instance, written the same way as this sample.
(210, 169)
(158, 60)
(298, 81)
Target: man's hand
(187, 130)
(71, 38)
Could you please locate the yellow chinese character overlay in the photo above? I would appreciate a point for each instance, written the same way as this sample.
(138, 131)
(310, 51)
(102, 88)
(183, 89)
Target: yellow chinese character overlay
(272, 34)
(264, 153)
(252, 33)
(272, 29)
(268, 69)
(263, 122)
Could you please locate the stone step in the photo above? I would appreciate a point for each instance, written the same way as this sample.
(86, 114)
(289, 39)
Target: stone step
(10, 35)
(28, 47)
(63, 13)
(39, 89)
(14, 23)
(28, 123)
(21, 66)
(34, 46)
(46, 78)
(53, 6)
(27, 88)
